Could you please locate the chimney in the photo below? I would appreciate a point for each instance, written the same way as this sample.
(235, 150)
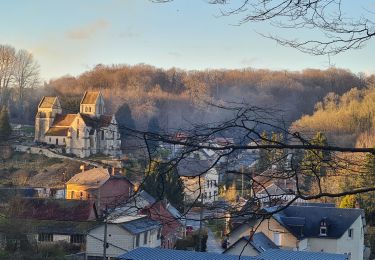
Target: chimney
(252, 232)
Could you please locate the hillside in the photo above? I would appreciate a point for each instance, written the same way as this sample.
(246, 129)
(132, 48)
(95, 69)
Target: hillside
(347, 119)
(178, 97)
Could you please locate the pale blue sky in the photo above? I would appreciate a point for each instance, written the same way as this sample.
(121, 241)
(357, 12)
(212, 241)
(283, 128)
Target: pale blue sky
(71, 36)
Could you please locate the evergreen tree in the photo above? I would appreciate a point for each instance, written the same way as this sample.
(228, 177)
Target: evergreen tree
(367, 179)
(154, 128)
(314, 163)
(153, 125)
(5, 128)
(125, 120)
(162, 181)
(269, 157)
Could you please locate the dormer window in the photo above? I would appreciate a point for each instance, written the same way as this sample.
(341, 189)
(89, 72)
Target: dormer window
(350, 233)
(323, 227)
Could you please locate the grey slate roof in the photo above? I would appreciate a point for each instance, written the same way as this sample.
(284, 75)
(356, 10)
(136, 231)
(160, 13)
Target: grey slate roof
(304, 221)
(192, 167)
(277, 254)
(259, 242)
(144, 253)
(140, 225)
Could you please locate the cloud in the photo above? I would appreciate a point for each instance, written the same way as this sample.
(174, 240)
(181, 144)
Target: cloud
(175, 54)
(87, 31)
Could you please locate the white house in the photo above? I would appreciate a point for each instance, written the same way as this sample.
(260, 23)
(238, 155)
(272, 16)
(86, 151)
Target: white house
(315, 227)
(85, 133)
(200, 178)
(123, 234)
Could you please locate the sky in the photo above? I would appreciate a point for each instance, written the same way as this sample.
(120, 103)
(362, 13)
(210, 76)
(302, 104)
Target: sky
(72, 36)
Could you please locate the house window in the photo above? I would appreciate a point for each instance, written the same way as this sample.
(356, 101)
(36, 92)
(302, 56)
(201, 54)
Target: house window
(64, 140)
(89, 109)
(159, 234)
(77, 133)
(350, 233)
(81, 195)
(57, 141)
(323, 231)
(43, 237)
(72, 194)
(209, 195)
(277, 238)
(77, 239)
(88, 196)
(137, 240)
(145, 238)
(85, 109)
(102, 135)
(50, 139)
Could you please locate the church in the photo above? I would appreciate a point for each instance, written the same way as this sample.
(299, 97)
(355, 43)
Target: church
(88, 132)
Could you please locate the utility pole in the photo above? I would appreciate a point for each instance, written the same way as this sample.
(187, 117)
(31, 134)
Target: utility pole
(201, 219)
(105, 235)
(242, 180)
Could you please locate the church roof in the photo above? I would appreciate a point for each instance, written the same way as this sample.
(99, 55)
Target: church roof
(102, 121)
(58, 131)
(64, 120)
(90, 97)
(47, 102)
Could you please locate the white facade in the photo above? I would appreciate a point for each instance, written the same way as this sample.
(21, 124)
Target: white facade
(119, 240)
(350, 243)
(206, 184)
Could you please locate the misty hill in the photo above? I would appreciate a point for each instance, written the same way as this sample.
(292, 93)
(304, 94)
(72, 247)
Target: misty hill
(177, 97)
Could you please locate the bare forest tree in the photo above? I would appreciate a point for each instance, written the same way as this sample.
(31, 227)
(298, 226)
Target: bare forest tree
(333, 29)
(18, 72)
(26, 75)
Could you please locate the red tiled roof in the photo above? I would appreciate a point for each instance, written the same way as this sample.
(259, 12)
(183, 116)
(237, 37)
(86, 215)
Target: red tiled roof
(56, 209)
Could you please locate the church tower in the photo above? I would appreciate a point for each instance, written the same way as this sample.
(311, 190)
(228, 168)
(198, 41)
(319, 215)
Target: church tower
(48, 109)
(92, 104)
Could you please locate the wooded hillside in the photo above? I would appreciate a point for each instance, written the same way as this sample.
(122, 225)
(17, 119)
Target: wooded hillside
(348, 119)
(177, 97)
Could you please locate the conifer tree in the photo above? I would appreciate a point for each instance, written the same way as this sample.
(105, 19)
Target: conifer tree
(163, 181)
(5, 128)
(367, 179)
(314, 162)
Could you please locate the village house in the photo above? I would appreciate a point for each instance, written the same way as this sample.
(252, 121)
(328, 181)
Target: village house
(98, 185)
(312, 227)
(88, 132)
(123, 234)
(200, 179)
(54, 220)
(251, 245)
(171, 220)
